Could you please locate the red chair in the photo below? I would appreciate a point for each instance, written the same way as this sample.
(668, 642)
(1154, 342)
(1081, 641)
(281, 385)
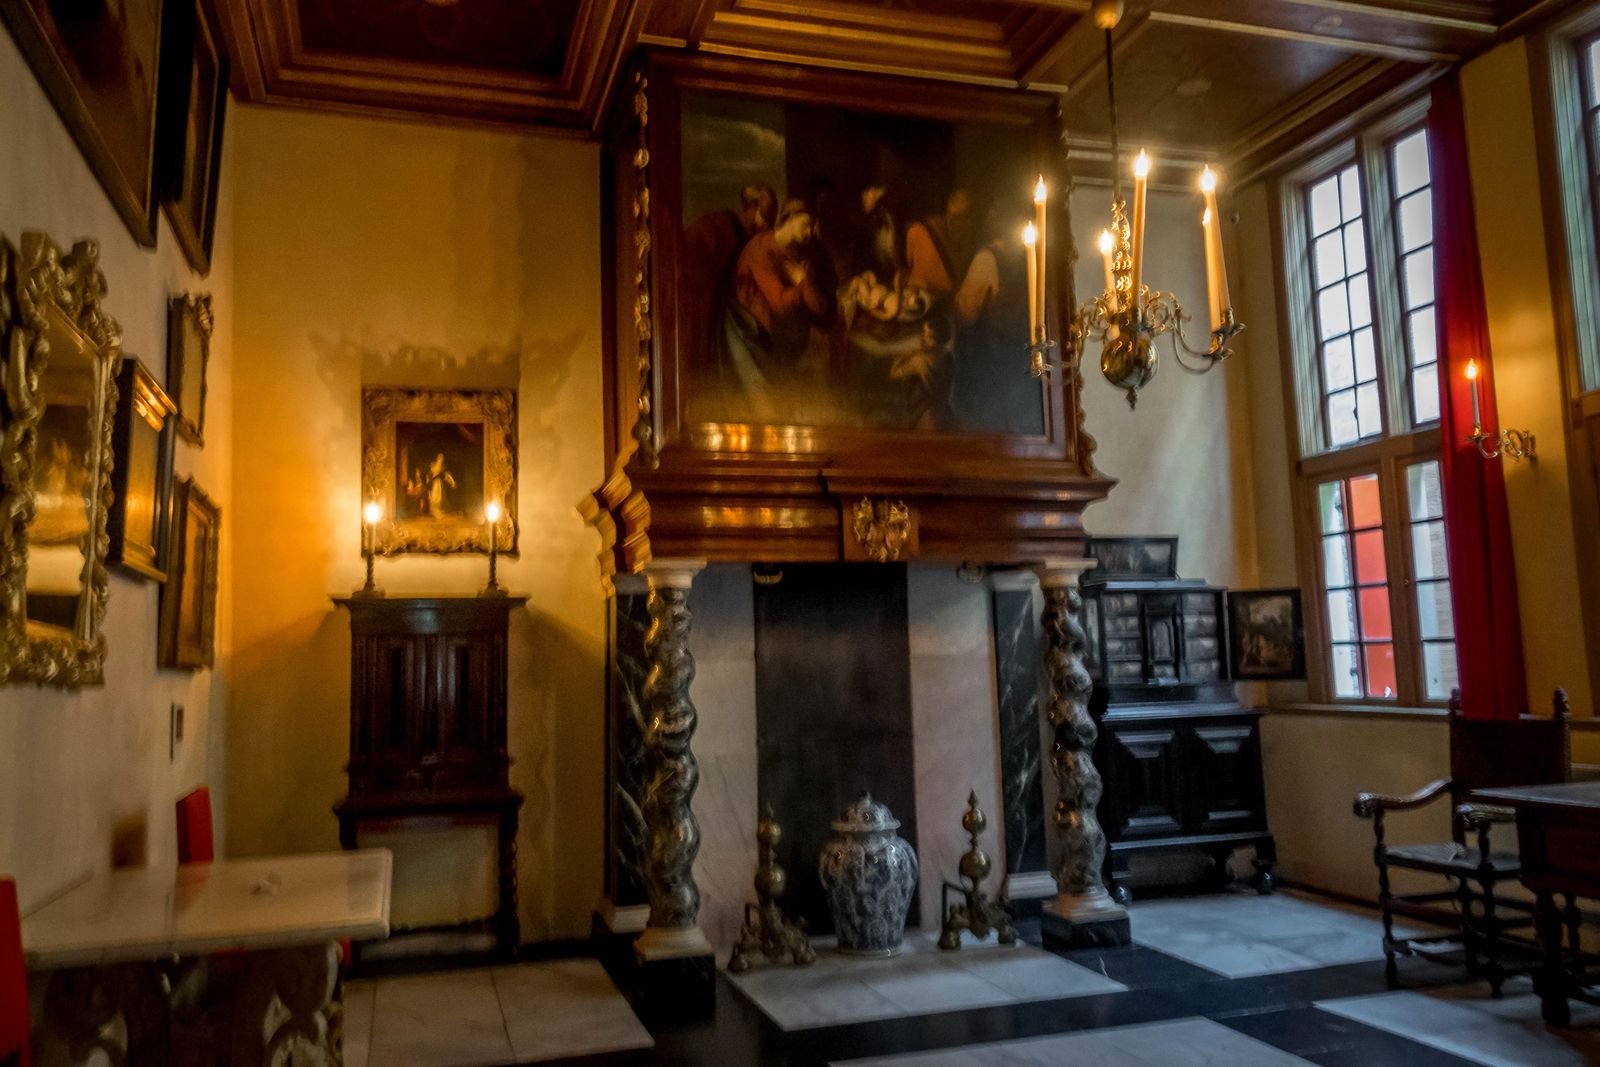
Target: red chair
(195, 844)
(13, 982)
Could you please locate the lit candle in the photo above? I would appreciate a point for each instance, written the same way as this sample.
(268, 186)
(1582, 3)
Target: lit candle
(1216, 267)
(491, 512)
(371, 513)
(1108, 247)
(1030, 241)
(1041, 196)
(1141, 182)
(1472, 376)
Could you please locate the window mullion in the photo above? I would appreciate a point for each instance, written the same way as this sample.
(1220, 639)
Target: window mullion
(1402, 592)
(1386, 285)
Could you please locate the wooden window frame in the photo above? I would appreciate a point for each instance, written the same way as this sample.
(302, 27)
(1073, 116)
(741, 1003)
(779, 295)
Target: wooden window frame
(1404, 442)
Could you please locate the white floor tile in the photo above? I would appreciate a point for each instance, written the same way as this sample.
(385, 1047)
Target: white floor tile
(450, 1019)
(923, 979)
(565, 1008)
(1179, 1043)
(1466, 1021)
(358, 1005)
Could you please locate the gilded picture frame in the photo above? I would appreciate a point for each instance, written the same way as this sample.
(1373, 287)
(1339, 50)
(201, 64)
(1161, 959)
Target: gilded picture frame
(59, 357)
(431, 459)
(188, 632)
(141, 504)
(194, 109)
(189, 325)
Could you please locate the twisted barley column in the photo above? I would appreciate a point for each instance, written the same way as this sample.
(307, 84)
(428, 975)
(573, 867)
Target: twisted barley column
(672, 835)
(1080, 840)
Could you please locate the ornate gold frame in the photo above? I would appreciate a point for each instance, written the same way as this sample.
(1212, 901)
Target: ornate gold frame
(181, 363)
(496, 409)
(190, 503)
(50, 300)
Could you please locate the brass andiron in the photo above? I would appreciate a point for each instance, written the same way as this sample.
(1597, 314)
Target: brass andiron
(765, 930)
(977, 913)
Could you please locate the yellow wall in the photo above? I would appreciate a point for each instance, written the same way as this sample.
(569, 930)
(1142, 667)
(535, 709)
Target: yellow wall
(389, 253)
(75, 768)
(1516, 280)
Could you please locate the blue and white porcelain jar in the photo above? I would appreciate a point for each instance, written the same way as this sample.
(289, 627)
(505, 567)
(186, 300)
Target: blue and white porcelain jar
(869, 873)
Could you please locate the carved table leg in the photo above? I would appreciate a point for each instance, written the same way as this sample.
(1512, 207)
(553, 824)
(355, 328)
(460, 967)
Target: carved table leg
(1083, 912)
(284, 1011)
(677, 969)
(118, 1015)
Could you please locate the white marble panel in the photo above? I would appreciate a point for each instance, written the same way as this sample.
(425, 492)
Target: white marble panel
(450, 1019)
(1466, 1021)
(1180, 1043)
(565, 1008)
(923, 979)
(955, 723)
(722, 640)
(1239, 933)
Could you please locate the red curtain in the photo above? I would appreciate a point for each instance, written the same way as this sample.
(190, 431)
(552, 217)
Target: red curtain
(1483, 578)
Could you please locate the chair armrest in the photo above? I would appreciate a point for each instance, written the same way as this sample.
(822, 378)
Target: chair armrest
(1473, 816)
(1369, 804)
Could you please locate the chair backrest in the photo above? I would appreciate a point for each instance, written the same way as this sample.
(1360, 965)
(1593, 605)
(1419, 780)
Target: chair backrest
(1493, 753)
(194, 827)
(13, 981)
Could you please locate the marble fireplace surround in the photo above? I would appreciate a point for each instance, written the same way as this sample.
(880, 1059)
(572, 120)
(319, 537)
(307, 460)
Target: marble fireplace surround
(968, 691)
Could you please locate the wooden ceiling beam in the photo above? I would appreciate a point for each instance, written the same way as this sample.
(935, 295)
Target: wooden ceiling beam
(1347, 44)
(1081, 52)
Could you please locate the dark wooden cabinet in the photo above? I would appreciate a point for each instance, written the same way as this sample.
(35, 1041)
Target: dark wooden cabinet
(428, 725)
(1181, 760)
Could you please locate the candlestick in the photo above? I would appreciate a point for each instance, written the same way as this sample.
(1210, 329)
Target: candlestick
(1108, 246)
(1041, 197)
(1141, 181)
(1213, 296)
(491, 514)
(369, 545)
(1030, 240)
(1216, 266)
(1472, 376)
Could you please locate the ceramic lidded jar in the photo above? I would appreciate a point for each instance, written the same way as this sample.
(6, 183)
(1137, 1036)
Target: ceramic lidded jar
(868, 873)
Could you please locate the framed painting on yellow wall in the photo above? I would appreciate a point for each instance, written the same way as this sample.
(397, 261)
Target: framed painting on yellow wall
(100, 64)
(189, 598)
(432, 460)
(194, 105)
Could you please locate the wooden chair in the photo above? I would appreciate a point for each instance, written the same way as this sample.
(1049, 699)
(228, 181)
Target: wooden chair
(13, 982)
(1484, 753)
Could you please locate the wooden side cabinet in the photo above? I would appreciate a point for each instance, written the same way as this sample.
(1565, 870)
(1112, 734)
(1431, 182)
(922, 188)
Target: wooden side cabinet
(428, 709)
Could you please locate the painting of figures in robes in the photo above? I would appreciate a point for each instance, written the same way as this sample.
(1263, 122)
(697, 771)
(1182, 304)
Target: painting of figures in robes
(844, 269)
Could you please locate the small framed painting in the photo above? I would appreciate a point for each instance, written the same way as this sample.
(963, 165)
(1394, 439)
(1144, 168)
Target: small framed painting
(1266, 635)
(141, 478)
(189, 598)
(432, 459)
(188, 350)
(194, 105)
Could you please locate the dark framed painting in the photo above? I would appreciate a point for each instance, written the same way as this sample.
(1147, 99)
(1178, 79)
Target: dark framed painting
(432, 460)
(189, 325)
(193, 110)
(188, 632)
(100, 64)
(141, 479)
(1134, 557)
(1266, 635)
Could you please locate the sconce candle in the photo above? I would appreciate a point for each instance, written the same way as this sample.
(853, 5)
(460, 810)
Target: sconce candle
(1041, 198)
(1030, 241)
(1472, 376)
(1141, 182)
(1216, 269)
(370, 514)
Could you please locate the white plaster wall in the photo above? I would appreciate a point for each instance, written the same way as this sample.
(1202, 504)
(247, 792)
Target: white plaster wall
(75, 768)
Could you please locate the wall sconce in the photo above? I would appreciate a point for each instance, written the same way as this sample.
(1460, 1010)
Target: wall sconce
(369, 543)
(1518, 444)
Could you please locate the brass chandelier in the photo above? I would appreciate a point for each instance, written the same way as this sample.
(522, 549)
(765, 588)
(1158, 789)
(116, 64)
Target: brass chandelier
(1128, 316)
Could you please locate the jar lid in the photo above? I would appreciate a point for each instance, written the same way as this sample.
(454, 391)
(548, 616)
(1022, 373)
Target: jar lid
(865, 816)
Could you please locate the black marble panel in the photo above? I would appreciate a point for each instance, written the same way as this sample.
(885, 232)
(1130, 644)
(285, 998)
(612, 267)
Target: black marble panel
(1018, 646)
(833, 710)
(629, 668)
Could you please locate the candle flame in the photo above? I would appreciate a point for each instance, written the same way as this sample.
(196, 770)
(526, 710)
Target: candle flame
(1107, 242)
(1030, 236)
(491, 511)
(1208, 180)
(1141, 165)
(1472, 370)
(1040, 191)
(372, 512)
